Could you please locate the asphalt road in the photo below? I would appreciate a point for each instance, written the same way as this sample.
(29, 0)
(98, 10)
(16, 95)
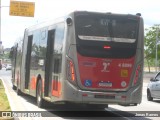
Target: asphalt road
(28, 103)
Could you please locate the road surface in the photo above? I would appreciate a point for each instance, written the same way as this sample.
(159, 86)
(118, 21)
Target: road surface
(28, 103)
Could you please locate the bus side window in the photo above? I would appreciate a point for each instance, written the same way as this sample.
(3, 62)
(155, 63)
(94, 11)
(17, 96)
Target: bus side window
(58, 45)
(56, 65)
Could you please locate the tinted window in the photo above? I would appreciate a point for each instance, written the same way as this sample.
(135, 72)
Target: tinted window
(158, 77)
(35, 51)
(95, 31)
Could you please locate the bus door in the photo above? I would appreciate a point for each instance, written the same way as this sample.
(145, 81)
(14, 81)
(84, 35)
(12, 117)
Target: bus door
(28, 60)
(57, 60)
(48, 65)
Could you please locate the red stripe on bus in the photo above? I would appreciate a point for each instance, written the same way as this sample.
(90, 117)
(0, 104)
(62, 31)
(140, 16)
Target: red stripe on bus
(56, 91)
(33, 83)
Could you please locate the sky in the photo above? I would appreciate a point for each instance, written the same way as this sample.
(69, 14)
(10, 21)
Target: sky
(12, 27)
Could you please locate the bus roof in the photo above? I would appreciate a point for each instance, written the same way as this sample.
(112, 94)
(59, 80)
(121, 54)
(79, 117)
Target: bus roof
(62, 19)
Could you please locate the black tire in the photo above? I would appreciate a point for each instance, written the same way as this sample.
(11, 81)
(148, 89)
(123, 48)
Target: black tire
(40, 101)
(14, 87)
(149, 97)
(19, 91)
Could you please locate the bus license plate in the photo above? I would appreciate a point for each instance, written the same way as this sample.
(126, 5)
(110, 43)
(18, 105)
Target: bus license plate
(105, 84)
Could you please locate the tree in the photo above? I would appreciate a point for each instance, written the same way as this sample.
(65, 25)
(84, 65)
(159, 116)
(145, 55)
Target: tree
(150, 44)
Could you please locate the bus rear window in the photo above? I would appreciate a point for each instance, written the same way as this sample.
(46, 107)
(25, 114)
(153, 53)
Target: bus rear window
(94, 31)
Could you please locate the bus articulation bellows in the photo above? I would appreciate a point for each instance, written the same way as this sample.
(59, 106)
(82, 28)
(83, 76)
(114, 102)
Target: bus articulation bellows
(85, 57)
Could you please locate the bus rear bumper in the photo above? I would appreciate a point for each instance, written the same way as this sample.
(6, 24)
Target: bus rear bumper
(131, 97)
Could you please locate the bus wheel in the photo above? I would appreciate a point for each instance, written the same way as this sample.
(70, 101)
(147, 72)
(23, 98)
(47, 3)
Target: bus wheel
(149, 98)
(14, 87)
(40, 101)
(19, 92)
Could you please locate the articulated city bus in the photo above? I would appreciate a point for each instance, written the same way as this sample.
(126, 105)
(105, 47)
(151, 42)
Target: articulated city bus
(86, 57)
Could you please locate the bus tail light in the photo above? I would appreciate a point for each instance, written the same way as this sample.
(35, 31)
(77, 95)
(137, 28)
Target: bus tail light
(107, 47)
(71, 72)
(137, 74)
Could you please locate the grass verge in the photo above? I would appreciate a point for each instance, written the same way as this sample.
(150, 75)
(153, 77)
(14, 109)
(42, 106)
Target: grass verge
(4, 103)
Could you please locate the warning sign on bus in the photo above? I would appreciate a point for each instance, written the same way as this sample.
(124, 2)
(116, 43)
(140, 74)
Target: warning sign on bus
(124, 73)
(19, 8)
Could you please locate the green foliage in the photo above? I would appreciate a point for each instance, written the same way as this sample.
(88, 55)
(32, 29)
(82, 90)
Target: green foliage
(150, 44)
(4, 103)
(6, 56)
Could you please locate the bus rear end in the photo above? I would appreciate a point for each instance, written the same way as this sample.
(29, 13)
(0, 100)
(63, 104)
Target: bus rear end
(105, 60)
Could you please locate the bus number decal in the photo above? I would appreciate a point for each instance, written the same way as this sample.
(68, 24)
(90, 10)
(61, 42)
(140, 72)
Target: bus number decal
(105, 67)
(125, 65)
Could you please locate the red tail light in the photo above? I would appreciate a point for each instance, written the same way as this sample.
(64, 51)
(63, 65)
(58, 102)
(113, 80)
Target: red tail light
(107, 47)
(137, 74)
(71, 72)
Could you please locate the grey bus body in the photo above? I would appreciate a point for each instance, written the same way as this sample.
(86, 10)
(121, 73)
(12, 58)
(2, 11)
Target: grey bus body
(49, 61)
